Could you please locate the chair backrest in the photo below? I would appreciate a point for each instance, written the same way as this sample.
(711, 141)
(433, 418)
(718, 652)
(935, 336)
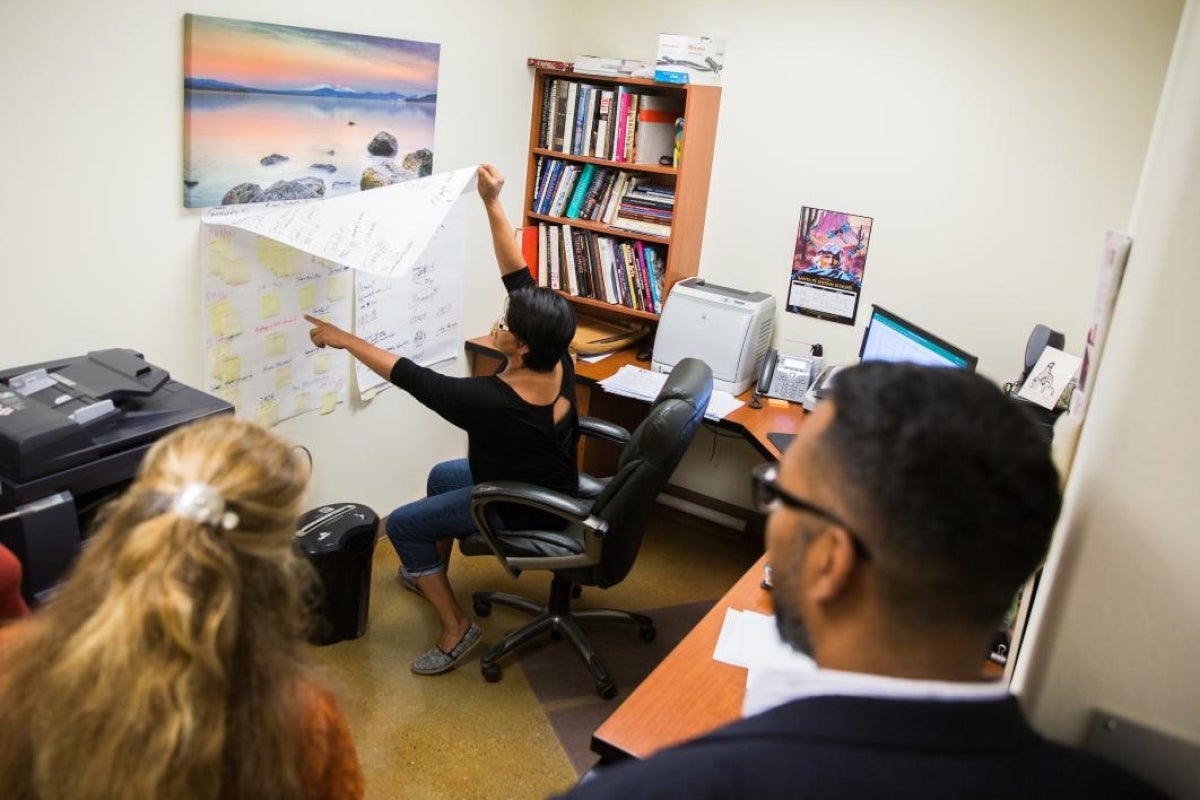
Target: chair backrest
(646, 464)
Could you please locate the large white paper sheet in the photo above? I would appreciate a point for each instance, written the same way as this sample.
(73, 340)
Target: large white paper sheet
(262, 268)
(416, 315)
(383, 231)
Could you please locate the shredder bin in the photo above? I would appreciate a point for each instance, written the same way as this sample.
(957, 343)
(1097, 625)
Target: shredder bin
(339, 541)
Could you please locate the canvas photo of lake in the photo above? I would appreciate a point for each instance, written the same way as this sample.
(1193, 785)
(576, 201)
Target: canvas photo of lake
(275, 112)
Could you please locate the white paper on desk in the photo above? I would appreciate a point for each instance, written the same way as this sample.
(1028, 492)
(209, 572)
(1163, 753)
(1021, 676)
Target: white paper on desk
(749, 639)
(635, 382)
(722, 405)
(595, 358)
(630, 381)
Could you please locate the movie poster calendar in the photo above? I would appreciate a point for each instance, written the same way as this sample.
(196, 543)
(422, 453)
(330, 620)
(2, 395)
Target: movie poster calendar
(386, 264)
(828, 264)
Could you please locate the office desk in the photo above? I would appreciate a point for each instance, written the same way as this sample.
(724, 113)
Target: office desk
(752, 424)
(688, 694)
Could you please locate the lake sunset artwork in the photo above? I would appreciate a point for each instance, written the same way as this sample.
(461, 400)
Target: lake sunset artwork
(275, 112)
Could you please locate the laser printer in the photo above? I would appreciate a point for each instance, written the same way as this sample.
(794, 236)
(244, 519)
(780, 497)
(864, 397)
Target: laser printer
(72, 435)
(728, 329)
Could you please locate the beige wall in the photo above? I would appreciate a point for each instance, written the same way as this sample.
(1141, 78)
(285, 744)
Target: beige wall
(1117, 625)
(993, 143)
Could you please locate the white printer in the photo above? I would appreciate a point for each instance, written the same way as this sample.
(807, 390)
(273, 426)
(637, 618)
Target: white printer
(728, 329)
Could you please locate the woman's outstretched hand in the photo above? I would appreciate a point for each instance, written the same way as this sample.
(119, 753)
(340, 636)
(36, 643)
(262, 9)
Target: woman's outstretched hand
(325, 334)
(490, 182)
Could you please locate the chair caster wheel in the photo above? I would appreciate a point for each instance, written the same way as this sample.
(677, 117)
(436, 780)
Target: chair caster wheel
(607, 691)
(483, 608)
(648, 633)
(491, 673)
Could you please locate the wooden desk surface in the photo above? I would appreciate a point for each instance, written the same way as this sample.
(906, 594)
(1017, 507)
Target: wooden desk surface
(754, 424)
(688, 694)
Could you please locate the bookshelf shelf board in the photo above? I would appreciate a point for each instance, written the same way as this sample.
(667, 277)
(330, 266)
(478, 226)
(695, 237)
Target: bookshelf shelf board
(625, 311)
(602, 162)
(599, 227)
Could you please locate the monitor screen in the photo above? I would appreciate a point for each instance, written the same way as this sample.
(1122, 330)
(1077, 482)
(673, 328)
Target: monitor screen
(890, 338)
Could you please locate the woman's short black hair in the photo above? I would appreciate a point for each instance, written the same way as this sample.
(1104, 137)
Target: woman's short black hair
(544, 321)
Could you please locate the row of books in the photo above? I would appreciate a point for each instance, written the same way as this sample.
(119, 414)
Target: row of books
(606, 195)
(589, 264)
(615, 123)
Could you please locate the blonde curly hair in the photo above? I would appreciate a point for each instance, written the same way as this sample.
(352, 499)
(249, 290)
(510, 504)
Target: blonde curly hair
(171, 662)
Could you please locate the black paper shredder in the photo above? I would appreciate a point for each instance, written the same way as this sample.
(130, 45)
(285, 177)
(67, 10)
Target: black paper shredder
(339, 541)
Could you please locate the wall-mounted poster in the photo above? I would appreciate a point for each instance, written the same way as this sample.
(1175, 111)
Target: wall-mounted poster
(828, 265)
(274, 112)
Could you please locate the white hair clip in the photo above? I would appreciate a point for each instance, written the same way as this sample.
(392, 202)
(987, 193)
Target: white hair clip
(202, 503)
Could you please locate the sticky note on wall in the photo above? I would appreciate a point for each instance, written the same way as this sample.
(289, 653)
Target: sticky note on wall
(308, 296)
(270, 304)
(275, 344)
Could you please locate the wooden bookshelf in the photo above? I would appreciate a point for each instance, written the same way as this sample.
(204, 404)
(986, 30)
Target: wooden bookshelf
(679, 252)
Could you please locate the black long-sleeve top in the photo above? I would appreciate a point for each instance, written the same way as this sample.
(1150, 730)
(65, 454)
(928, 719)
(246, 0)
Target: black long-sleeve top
(507, 437)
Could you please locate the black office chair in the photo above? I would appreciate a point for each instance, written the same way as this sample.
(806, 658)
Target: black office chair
(601, 541)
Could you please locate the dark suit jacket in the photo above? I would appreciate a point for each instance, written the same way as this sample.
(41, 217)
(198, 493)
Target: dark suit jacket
(852, 747)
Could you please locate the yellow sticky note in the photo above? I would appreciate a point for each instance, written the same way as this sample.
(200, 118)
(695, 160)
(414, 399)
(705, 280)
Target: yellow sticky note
(230, 323)
(278, 257)
(321, 363)
(303, 402)
(226, 264)
(308, 296)
(268, 413)
(283, 376)
(270, 304)
(215, 312)
(229, 369)
(275, 344)
(329, 402)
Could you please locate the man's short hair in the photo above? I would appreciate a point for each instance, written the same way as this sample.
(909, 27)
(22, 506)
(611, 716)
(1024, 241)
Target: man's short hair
(543, 320)
(950, 483)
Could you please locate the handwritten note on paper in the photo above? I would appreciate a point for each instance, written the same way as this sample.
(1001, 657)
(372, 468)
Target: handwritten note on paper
(267, 264)
(384, 231)
(416, 315)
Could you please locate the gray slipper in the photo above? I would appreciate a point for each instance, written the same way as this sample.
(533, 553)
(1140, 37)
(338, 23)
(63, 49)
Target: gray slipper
(438, 660)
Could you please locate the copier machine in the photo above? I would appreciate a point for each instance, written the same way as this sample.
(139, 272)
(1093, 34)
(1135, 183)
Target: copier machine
(72, 435)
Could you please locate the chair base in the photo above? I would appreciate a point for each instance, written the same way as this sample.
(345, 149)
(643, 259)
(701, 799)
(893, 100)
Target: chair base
(558, 620)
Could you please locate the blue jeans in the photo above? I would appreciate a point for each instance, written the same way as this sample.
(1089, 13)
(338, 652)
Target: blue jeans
(445, 512)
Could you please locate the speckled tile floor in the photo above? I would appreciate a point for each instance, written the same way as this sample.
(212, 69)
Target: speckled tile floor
(456, 736)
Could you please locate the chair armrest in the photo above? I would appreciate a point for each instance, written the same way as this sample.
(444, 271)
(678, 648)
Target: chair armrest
(603, 429)
(527, 494)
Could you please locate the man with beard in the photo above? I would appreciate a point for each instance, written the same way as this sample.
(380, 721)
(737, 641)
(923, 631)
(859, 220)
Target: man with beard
(905, 515)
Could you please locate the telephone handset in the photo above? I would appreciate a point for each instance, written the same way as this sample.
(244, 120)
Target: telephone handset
(786, 377)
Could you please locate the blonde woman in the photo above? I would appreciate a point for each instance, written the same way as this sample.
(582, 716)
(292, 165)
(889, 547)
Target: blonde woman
(171, 663)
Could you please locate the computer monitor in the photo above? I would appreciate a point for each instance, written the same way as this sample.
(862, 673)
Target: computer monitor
(890, 338)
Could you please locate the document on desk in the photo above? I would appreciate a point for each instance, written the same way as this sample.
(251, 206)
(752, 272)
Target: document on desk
(642, 384)
(751, 640)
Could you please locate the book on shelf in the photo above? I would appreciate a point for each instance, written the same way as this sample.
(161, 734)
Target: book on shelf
(553, 235)
(581, 189)
(559, 128)
(549, 63)
(543, 254)
(603, 111)
(527, 239)
(569, 116)
(567, 260)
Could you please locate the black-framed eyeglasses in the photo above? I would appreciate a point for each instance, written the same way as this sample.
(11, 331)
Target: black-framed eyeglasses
(768, 492)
